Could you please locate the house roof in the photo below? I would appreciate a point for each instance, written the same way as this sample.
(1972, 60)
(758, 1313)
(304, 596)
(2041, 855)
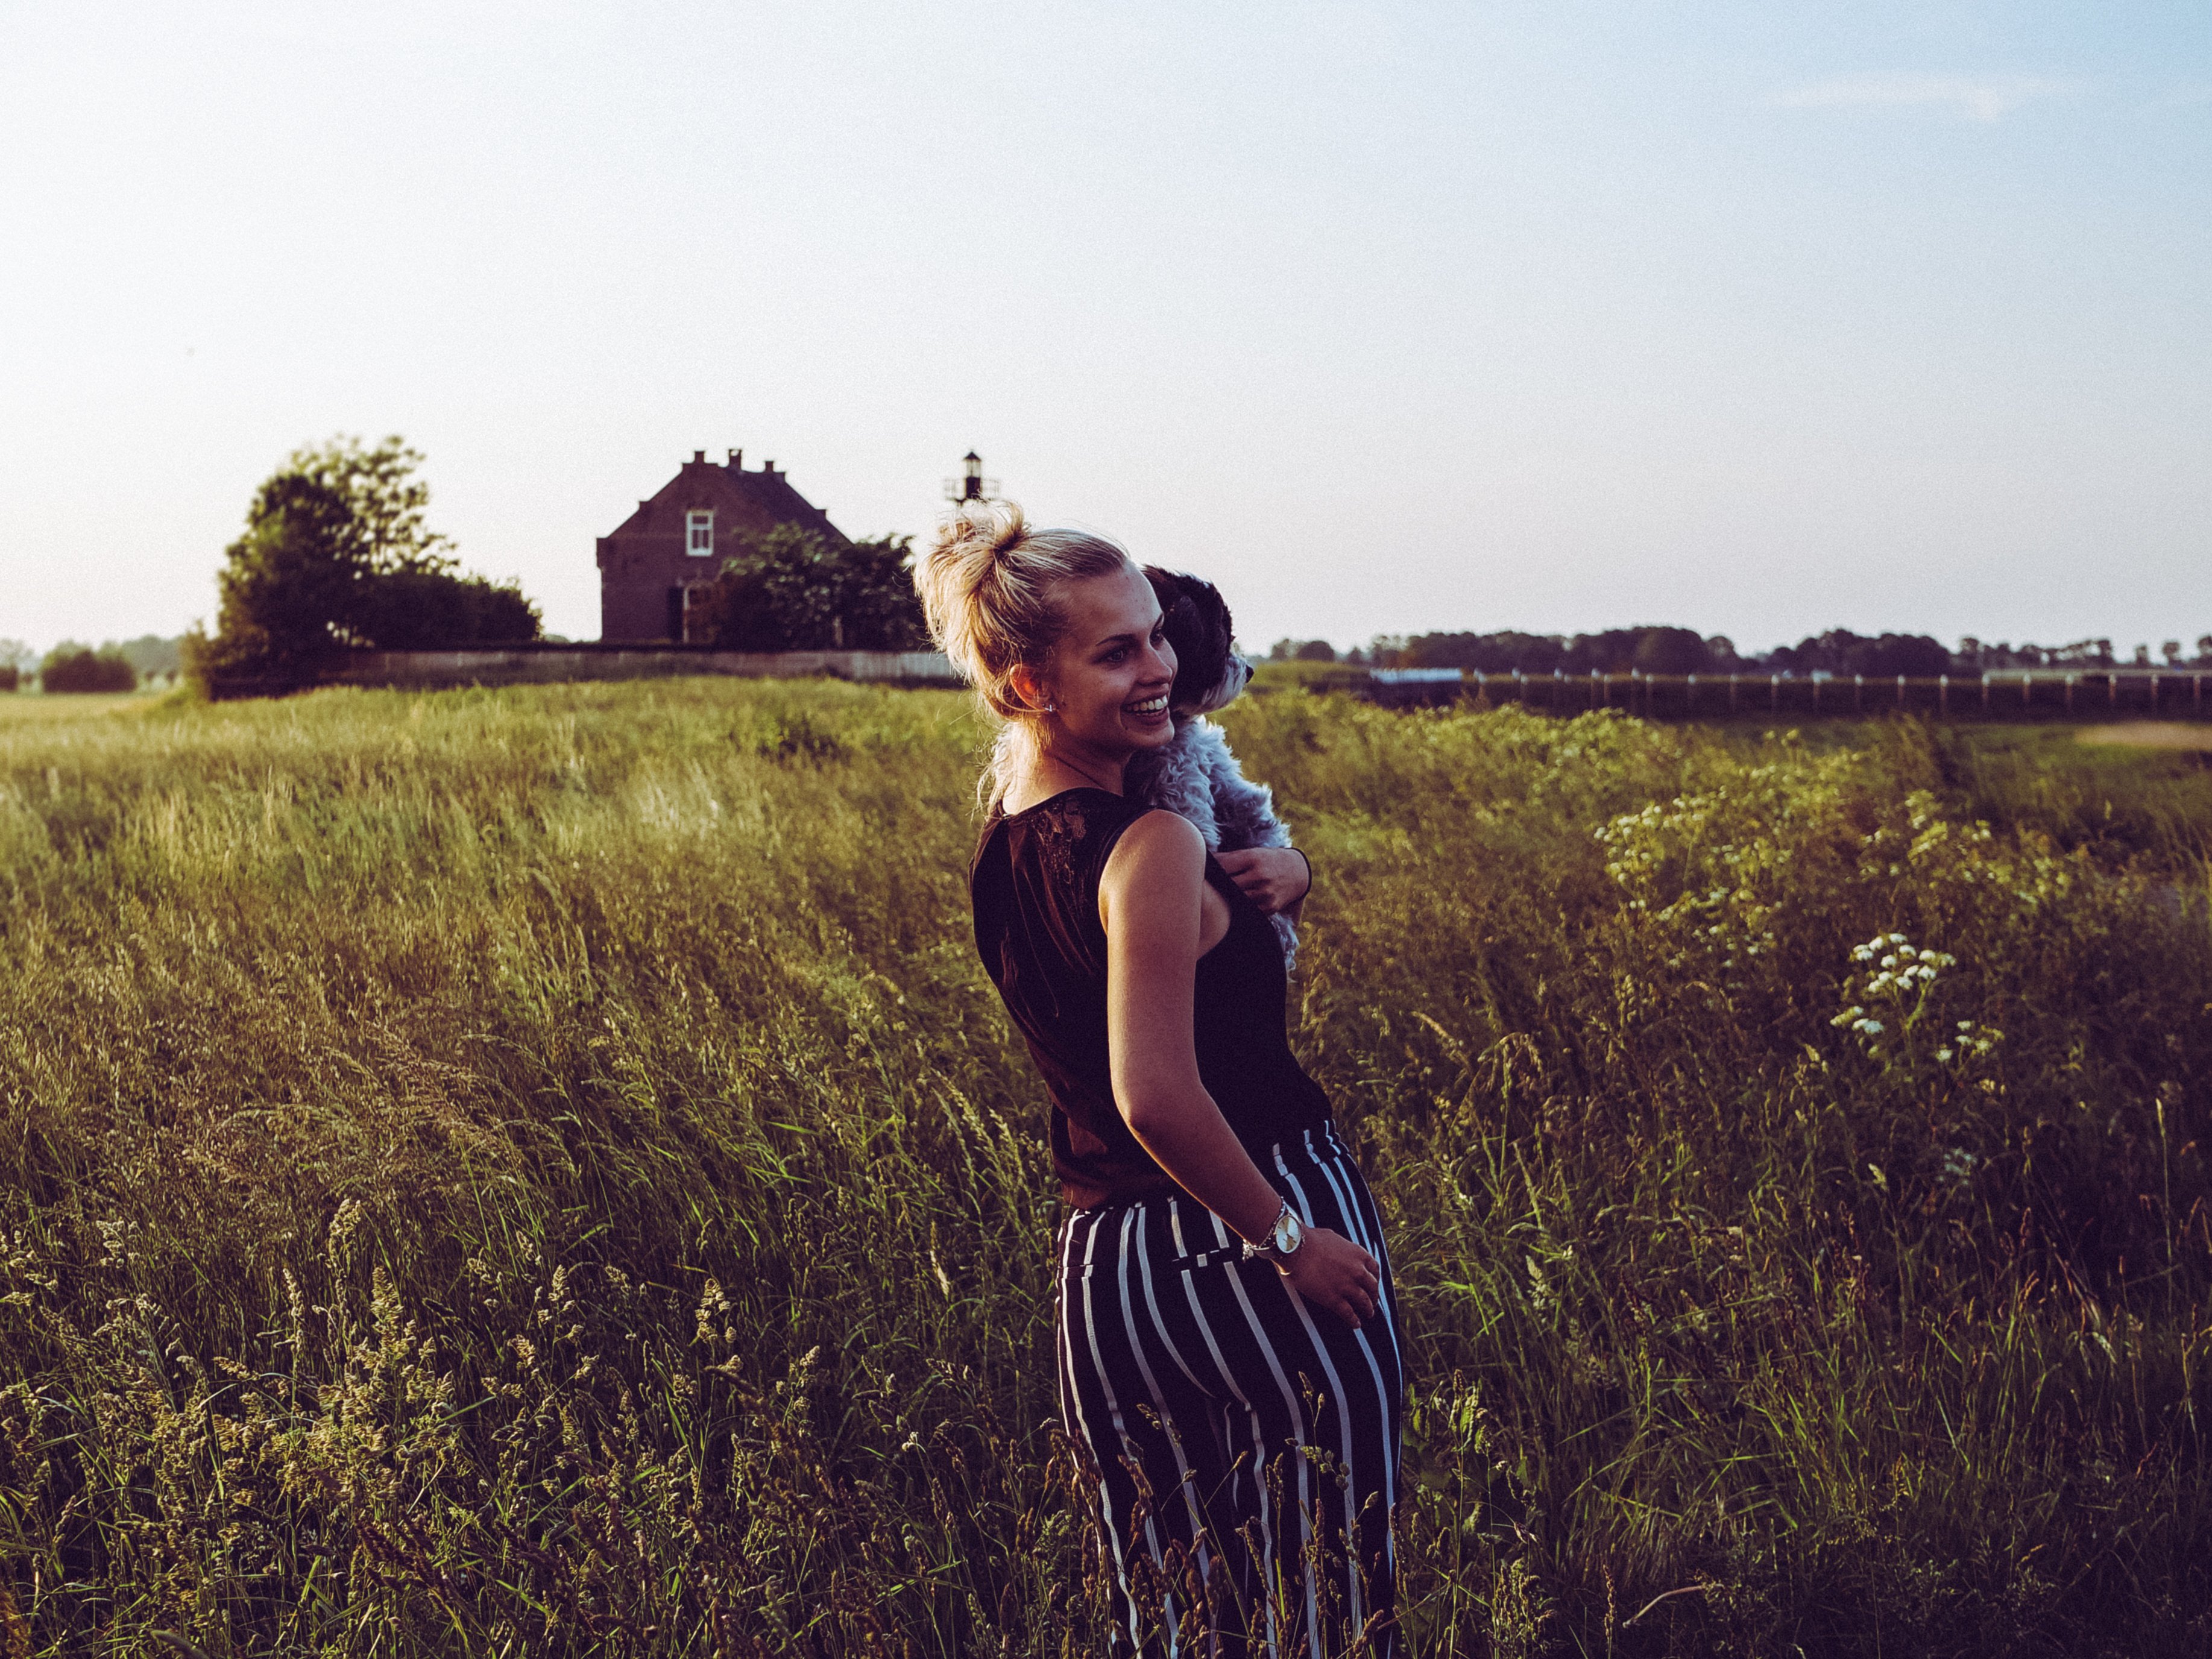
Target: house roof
(762, 499)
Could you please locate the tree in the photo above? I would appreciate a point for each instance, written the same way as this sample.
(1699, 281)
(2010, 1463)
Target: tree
(1505, 653)
(1672, 651)
(335, 554)
(1841, 651)
(386, 504)
(793, 589)
(880, 609)
(73, 667)
(1314, 651)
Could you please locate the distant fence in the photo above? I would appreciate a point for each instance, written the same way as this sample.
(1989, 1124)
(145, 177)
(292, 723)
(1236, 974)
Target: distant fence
(537, 664)
(2012, 694)
(2017, 694)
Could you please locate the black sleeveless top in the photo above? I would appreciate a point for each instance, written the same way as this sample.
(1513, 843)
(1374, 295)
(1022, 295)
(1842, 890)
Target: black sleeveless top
(1034, 884)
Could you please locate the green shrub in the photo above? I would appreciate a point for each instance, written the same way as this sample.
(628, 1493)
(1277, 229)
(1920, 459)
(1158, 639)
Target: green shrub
(792, 589)
(80, 668)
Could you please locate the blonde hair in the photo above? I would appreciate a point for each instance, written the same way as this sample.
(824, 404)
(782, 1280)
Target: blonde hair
(987, 588)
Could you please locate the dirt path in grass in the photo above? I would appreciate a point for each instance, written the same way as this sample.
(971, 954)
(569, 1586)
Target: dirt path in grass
(2149, 734)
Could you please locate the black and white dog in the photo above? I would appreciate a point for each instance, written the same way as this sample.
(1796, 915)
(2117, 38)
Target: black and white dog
(1196, 775)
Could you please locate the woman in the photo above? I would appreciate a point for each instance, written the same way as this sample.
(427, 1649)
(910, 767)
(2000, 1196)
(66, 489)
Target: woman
(1228, 1346)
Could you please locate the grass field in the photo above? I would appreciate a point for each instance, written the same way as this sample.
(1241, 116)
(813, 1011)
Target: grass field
(542, 1171)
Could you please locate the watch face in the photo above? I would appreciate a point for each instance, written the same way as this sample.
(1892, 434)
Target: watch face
(1290, 1231)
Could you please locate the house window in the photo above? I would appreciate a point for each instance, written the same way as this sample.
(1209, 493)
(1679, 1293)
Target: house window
(699, 534)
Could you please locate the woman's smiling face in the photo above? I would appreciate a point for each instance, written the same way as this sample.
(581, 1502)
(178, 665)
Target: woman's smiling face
(1109, 674)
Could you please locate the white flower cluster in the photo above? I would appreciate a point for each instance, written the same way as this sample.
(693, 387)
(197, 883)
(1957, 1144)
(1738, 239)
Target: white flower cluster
(1901, 978)
(1901, 965)
(1971, 1043)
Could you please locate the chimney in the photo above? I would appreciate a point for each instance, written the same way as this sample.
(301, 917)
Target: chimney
(698, 457)
(736, 460)
(767, 466)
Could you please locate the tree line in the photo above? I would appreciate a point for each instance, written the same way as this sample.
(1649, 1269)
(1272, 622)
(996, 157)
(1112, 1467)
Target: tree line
(74, 666)
(1661, 650)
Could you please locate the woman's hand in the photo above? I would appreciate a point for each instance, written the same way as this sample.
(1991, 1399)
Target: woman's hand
(1273, 878)
(1329, 1269)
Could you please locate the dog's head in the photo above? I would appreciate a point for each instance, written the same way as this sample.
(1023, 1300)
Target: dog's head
(1209, 673)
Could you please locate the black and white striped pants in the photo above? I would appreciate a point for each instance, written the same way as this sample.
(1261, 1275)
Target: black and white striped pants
(1246, 1443)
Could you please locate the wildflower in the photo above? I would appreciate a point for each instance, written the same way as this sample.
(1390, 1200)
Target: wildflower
(1943, 1054)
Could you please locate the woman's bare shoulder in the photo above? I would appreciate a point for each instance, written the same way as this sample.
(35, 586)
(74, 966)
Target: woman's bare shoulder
(1158, 848)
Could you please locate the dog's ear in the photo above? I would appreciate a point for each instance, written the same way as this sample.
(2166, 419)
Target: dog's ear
(1170, 590)
(1207, 675)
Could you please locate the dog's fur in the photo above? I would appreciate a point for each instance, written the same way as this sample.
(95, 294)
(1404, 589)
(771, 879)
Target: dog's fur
(1196, 775)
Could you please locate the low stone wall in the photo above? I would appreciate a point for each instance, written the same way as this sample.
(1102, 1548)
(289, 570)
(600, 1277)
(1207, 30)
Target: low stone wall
(534, 663)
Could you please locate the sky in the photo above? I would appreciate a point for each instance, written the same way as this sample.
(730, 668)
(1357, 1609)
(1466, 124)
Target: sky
(1760, 318)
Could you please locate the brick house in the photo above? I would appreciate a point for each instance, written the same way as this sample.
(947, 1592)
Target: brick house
(678, 539)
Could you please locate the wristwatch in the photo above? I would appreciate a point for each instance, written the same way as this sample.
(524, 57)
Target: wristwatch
(1284, 1237)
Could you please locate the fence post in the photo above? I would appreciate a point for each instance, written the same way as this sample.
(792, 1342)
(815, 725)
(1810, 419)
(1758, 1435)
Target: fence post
(2153, 694)
(1773, 693)
(1858, 692)
(2069, 693)
(1732, 679)
(1900, 691)
(1985, 691)
(1943, 696)
(2112, 689)
(1816, 696)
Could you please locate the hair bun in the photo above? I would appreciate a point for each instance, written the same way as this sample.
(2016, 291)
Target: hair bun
(988, 530)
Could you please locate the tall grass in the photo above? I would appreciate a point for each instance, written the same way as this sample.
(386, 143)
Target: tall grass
(542, 1171)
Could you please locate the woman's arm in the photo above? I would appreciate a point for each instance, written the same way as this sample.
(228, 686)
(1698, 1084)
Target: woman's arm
(1150, 900)
(1276, 878)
